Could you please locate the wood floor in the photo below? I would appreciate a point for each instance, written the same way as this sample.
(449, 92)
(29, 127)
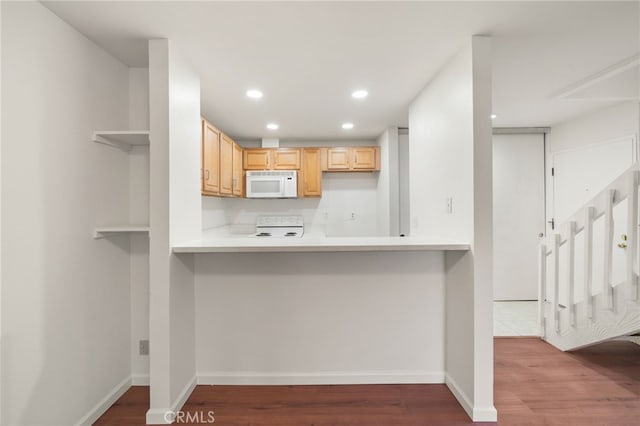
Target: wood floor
(535, 384)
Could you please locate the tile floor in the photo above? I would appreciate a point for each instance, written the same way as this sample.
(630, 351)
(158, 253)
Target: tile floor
(515, 318)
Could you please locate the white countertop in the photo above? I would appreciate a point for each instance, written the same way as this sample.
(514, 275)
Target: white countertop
(221, 240)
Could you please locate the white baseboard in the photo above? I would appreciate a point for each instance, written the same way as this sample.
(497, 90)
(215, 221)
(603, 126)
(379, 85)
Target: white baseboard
(158, 416)
(184, 395)
(104, 404)
(485, 414)
(460, 395)
(477, 414)
(139, 380)
(163, 416)
(320, 378)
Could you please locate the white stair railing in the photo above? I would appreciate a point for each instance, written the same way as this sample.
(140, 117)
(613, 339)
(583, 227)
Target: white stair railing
(601, 315)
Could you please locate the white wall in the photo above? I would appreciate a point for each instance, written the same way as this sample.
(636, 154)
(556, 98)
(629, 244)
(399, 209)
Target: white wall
(518, 209)
(404, 197)
(65, 306)
(450, 143)
(388, 186)
(320, 318)
(441, 135)
(594, 127)
(139, 214)
(599, 126)
(175, 216)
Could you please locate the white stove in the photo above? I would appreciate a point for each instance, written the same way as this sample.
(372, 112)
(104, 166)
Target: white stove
(279, 226)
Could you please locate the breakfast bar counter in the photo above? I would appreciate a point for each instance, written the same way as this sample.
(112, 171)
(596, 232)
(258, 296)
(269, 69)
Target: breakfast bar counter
(223, 241)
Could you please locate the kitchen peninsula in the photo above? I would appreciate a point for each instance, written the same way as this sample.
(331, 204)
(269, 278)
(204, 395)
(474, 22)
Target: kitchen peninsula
(212, 242)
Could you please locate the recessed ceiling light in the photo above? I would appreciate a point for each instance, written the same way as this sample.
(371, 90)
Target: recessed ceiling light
(254, 94)
(272, 126)
(360, 94)
(493, 116)
(347, 126)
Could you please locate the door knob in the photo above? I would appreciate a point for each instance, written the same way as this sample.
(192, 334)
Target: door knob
(623, 244)
(540, 235)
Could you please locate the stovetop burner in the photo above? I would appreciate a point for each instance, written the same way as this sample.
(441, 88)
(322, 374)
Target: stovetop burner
(279, 226)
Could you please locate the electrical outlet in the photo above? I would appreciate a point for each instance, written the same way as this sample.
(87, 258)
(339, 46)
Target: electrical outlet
(353, 216)
(144, 347)
(449, 205)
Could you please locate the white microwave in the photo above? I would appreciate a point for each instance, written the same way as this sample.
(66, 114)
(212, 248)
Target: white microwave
(272, 184)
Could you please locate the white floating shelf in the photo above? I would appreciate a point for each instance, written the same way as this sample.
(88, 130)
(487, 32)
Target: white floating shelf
(122, 138)
(104, 231)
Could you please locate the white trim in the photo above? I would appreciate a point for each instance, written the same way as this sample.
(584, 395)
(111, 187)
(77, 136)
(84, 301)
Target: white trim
(184, 395)
(158, 416)
(602, 75)
(486, 414)
(632, 136)
(320, 378)
(459, 394)
(140, 380)
(477, 414)
(106, 402)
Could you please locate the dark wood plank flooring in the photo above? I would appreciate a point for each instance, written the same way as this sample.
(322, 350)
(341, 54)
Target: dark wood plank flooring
(535, 384)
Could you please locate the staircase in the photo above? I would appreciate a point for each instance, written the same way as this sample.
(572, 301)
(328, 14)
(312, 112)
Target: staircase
(579, 302)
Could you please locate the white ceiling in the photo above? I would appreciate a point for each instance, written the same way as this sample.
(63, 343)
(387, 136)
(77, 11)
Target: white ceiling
(307, 57)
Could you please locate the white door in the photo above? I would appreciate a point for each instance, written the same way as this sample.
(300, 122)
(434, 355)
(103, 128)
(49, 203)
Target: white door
(578, 175)
(518, 215)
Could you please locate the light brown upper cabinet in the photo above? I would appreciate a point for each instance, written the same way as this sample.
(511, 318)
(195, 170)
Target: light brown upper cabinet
(338, 158)
(237, 170)
(226, 165)
(210, 159)
(272, 159)
(352, 159)
(221, 163)
(311, 185)
(257, 159)
(286, 159)
(365, 158)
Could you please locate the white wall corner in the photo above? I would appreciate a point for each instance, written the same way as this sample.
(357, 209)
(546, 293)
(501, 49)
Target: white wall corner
(475, 413)
(163, 416)
(159, 416)
(482, 243)
(460, 395)
(139, 380)
(103, 405)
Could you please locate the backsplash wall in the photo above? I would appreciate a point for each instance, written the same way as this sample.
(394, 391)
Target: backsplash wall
(347, 207)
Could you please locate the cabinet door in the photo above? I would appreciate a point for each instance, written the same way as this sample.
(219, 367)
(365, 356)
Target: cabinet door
(210, 159)
(257, 159)
(338, 158)
(226, 165)
(237, 170)
(286, 159)
(364, 158)
(311, 173)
